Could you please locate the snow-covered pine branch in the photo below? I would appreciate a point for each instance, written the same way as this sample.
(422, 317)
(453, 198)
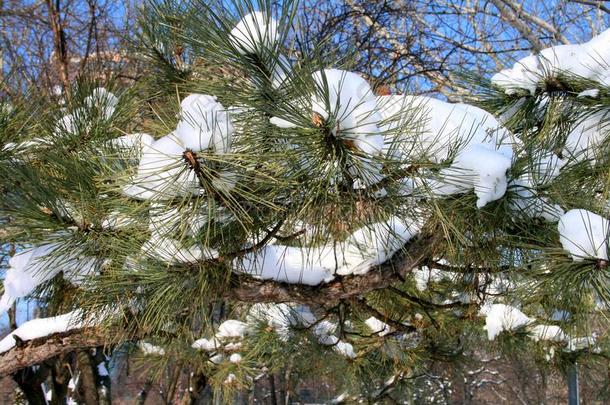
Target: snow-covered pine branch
(289, 206)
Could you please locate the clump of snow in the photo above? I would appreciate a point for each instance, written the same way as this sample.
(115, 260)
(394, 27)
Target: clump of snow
(204, 124)
(118, 220)
(102, 371)
(254, 32)
(163, 173)
(165, 219)
(551, 333)
(25, 144)
(585, 138)
(207, 345)
(545, 167)
(23, 277)
(324, 330)
(481, 146)
(42, 327)
(526, 201)
(232, 346)
(288, 264)
(231, 378)
(525, 74)
(282, 316)
(224, 181)
(443, 127)
(347, 99)
(374, 244)
(226, 339)
(479, 167)
(232, 329)
(589, 60)
(360, 252)
(31, 267)
(345, 349)
(69, 123)
(581, 343)
(173, 251)
(136, 142)
(592, 93)
(280, 69)
(379, 327)
(281, 123)
(100, 99)
(171, 232)
(340, 399)
(104, 100)
(151, 350)
(584, 234)
(501, 317)
(560, 315)
(425, 275)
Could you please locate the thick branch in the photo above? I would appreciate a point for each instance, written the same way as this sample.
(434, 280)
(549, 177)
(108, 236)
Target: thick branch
(44, 348)
(246, 289)
(341, 288)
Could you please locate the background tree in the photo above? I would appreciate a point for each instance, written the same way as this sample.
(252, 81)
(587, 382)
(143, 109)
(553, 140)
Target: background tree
(46, 44)
(419, 46)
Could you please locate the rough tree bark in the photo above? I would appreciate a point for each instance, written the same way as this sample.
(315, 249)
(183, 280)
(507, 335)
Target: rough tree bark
(38, 350)
(87, 387)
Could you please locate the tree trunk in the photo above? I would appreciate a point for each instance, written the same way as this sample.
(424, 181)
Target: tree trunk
(29, 381)
(272, 395)
(88, 378)
(60, 44)
(60, 374)
(104, 383)
(197, 387)
(282, 388)
(143, 394)
(12, 316)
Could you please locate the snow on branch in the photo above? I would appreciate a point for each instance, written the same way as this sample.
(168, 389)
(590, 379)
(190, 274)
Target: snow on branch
(39, 328)
(379, 276)
(364, 249)
(590, 60)
(39, 348)
(584, 234)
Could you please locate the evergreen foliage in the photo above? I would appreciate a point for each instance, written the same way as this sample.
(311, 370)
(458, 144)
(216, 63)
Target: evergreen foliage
(167, 256)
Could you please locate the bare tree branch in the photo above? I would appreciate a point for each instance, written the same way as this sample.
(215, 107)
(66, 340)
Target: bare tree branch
(509, 16)
(594, 3)
(521, 13)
